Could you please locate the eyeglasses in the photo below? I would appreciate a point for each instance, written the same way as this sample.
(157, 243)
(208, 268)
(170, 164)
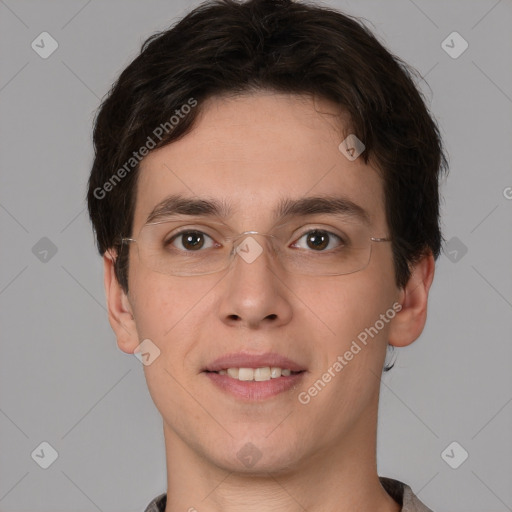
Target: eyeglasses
(177, 249)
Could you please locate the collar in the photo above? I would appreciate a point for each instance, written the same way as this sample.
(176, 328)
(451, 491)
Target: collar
(399, 491)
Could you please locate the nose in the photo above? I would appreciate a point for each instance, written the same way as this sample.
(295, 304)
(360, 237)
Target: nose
(254, 293)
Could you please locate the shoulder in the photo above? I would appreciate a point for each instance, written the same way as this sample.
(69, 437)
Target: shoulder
(403, 495)
(158, 504)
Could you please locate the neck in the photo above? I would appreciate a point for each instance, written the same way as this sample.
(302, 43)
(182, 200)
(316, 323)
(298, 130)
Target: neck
(341, 478)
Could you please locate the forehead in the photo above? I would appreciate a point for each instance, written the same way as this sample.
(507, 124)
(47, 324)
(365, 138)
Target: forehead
(254, 152)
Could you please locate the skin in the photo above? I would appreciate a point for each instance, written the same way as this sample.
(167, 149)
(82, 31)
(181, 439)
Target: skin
(255, 149)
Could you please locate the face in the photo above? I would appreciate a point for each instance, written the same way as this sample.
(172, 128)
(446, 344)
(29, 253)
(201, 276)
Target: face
(252, 152)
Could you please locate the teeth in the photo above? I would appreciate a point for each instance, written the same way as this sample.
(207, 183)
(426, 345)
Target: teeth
(262, 373)
(245, 374)
(275, 372)
(256, 374)
(233, 372)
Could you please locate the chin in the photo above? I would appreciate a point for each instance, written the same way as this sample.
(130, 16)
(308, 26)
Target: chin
(257, 457)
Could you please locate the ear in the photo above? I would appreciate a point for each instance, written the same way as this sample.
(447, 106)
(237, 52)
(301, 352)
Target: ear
(409, 322)
(120, 314)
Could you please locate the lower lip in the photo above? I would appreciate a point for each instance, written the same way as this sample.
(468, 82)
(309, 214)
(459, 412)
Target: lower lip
(255, 390)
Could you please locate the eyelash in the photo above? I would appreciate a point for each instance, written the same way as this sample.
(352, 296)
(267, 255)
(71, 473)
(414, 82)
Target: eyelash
(175, 236)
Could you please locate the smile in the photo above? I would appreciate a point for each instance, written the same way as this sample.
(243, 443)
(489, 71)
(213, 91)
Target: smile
(256, 374)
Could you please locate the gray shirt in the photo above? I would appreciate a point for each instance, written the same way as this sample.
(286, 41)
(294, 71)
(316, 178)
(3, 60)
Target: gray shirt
(399, 491)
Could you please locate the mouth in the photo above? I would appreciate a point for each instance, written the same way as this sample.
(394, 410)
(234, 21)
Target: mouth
(254, 377)
(261, 374)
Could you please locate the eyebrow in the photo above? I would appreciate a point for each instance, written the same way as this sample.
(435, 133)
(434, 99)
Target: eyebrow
(287, 207)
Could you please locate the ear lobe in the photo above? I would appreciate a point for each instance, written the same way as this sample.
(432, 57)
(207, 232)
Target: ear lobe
(408, 324)
(120, 313)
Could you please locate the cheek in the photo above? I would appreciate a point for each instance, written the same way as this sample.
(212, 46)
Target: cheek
(345, 307)
(351, 340)
(173, 312)
(164, 312)
(159, 303)
(350, 300)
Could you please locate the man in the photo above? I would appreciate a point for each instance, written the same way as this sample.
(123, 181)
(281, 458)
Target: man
(265, 198)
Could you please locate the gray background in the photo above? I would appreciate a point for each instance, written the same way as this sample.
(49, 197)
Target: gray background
(64, 381)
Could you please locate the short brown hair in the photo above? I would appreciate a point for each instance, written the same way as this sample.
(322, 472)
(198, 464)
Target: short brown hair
(223, 47)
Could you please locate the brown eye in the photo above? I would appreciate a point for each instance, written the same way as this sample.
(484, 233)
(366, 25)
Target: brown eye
(189, 240)
(319, 239)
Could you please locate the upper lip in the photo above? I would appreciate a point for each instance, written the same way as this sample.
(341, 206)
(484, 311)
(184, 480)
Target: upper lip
(245, 360)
